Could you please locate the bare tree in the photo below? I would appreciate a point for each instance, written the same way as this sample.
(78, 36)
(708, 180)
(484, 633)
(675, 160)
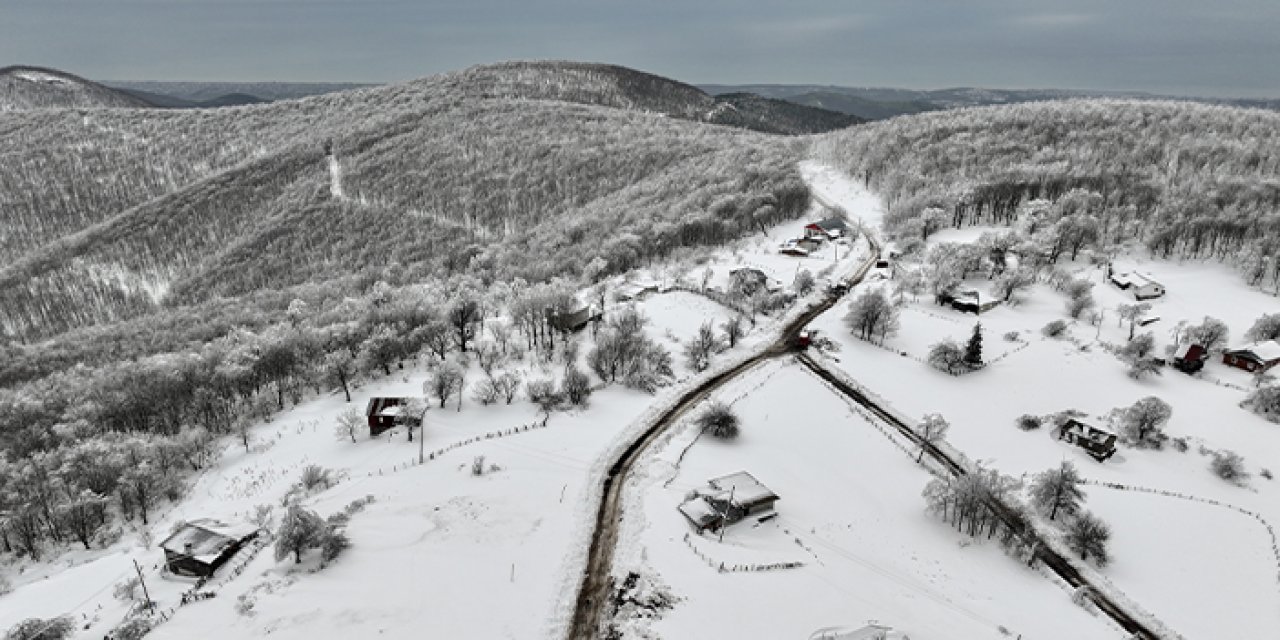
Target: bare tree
(719, 420)
(446, 381)
(349, 423)
(733, 331)
(872, 314)
(1143, 422)
(1132, 313)
(699, 349)
(931, 429)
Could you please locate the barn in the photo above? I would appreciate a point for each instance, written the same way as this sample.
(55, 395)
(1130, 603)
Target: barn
(973, 301)
(1254, 358)
(729, 499)
(384, 413)
(1189, 358)
(199, 547)
(1143, 287)
(573, 319)
(1099, 443)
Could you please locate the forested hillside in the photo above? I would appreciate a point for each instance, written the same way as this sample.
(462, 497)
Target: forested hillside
(23, 88)
(1180, 180)
(171, 276)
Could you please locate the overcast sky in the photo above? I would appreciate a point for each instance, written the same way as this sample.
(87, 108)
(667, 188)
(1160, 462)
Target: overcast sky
(1191, 47)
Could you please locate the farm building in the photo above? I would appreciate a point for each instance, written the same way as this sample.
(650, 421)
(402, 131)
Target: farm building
(1189, 358)
(972, 301)
(199, 547)
(1142, 287)
(1099, 443)
(1254, 358)
(574, 318)
(385, 413)
(729, 499)
(827, 229)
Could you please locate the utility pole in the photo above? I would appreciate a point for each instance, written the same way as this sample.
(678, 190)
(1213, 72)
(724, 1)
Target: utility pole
(150, 603)
(724, 518)
(422, 437)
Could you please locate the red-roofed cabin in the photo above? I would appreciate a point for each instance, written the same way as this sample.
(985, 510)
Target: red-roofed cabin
(1189, 358)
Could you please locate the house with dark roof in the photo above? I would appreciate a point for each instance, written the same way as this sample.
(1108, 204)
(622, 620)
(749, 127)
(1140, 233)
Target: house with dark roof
(1254, 358)
(1099, 443)
(385, 413)
(728, 499)
(827, 228)
(199, 547)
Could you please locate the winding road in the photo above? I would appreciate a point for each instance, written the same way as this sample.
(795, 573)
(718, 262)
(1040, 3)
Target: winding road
(597, 580)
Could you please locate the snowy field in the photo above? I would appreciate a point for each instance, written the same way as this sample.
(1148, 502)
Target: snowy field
(850, 511)
(439, 552)
(1185, 562)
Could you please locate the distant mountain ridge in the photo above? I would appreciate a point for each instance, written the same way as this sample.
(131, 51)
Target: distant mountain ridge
(23, 88)
(878, 103)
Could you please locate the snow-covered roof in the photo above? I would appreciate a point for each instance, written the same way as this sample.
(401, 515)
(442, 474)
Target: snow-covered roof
(699, 511)
(392, 411)
(208, 538)
(746, 489)
(832, 224)
(1263, 351)
(1101, 436)
(1185, 352)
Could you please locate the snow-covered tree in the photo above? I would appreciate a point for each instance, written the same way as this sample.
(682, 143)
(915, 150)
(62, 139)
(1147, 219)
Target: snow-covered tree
(948, 357)
(1212, 334)
(1143, 421)
(300, 529)
(1057, 491)
(1087, 535)
(444, 383)
(931, 429)
(1132, 313)
(872, 315)
(1229, 466)
(733, 331)
(701, 346)
(1264, 402)
(576, 386)
(1266, 327)
(349, 423)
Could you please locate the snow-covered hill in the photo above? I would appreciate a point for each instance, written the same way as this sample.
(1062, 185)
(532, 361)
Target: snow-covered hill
(26, 88)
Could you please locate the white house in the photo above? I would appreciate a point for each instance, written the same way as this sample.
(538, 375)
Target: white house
(1142, 286)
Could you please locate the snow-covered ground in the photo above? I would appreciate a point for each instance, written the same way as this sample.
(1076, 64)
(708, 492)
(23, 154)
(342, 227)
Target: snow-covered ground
(439, 552)
(850, 511)
(1185, 562)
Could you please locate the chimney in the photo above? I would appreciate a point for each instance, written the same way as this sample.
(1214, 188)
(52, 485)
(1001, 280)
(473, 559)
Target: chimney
(186, 548)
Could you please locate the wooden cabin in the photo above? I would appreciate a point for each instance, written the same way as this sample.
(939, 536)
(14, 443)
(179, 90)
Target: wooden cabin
(385, 413)
(1099, 443)
(1254, 358)
(199, 547)
(1189, 358)
(827, 229)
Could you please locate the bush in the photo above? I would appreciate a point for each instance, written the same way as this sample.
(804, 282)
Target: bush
(486, 392)
(1266, 473)
(1180, 444)
(719, 420)
(1229, 466)
(1012, 336)
(1264, 402)
(1028, 422)
(335, 542)
(133, 629)
(41, 629)
(1055, 329)
(576, 386)
(316, 478)
(544, 394)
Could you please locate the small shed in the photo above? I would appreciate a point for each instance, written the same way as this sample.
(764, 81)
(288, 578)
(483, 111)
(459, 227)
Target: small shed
(199, 547)
(385, 413)
(827, 228)
(1099, 443)
(1142, 286)
(729, 499)
(1189, 358)
(1254, 358)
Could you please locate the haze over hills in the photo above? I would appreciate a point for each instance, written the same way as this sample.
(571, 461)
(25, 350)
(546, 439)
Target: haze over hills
(26, 87)
(877, 103)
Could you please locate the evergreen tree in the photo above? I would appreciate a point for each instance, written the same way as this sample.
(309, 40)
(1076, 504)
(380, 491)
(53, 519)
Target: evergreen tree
(973, 350)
